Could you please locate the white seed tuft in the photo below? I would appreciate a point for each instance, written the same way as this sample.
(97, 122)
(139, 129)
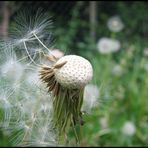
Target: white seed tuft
(76, 73)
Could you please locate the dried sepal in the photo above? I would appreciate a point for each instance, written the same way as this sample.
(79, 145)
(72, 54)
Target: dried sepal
(51, 58)
(59, 65)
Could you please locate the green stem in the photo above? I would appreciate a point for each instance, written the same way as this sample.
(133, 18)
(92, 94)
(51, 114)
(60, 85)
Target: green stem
(62, 140)
(75, 132)
(113, 35)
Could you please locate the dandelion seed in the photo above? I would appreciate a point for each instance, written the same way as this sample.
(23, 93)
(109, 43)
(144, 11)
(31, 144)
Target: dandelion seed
(115, 24)
(26, 26)
(28, 31)
(107, 45)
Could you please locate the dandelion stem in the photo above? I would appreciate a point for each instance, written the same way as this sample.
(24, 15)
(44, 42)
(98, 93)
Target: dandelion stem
(75, 132)
(80, 133)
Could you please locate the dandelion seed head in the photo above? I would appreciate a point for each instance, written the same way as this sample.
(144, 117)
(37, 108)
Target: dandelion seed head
(117, 70)
(66, 80)
(115, 24)
(128, 128)
(108, 45)
(76, 73)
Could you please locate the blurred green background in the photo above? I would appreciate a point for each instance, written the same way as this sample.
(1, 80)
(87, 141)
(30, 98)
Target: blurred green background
(123, 91)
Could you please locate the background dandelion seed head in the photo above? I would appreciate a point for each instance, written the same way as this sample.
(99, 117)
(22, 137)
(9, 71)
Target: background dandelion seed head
(115, 24)
(128, 128)
(107, 45)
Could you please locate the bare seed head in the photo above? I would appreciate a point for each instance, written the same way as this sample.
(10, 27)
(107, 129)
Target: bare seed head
(66, 79)
(76, 73)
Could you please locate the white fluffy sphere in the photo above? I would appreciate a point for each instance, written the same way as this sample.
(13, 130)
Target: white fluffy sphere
(128, 128)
